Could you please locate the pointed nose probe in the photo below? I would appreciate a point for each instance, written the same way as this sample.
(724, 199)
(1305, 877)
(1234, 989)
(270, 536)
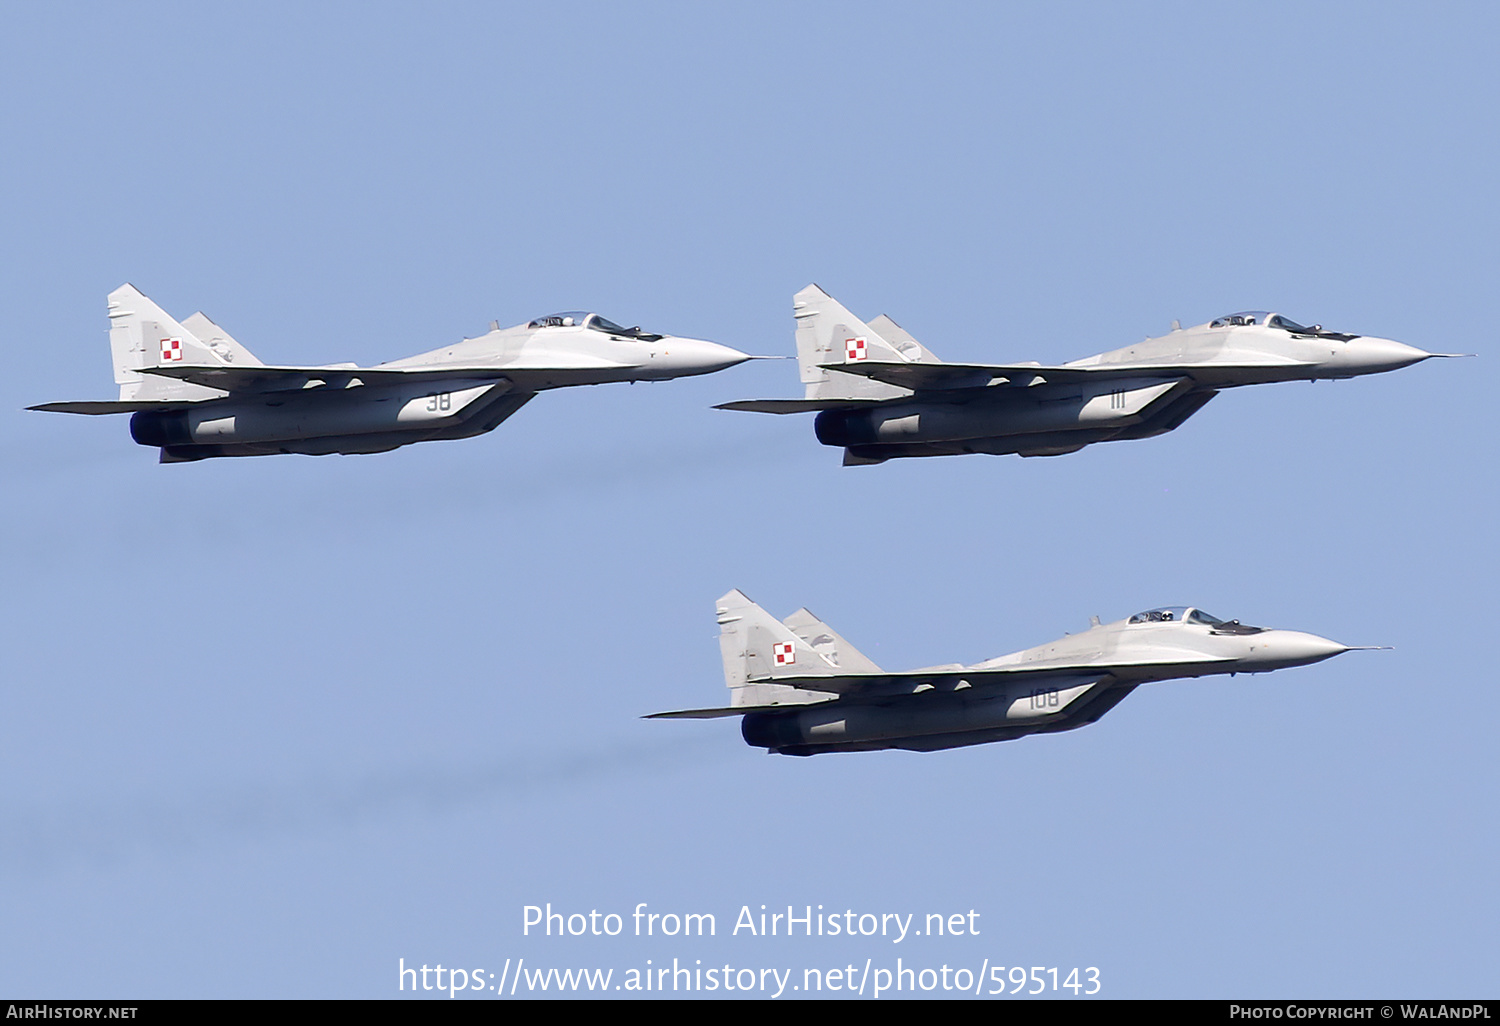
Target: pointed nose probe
(698, 356)
(1296, 648)
(1383, 354)
(1369, 355)
(1278, 649)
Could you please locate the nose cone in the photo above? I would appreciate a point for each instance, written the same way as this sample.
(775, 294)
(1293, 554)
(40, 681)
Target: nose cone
(1277, 649)
(1363, 355)
(680, 357)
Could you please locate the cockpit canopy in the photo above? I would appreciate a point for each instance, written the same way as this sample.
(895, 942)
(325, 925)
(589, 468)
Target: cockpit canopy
(1249, 318)
(593, 321)
(566, 319)
(1189, 614)
(1240, 320)
(1175, 614)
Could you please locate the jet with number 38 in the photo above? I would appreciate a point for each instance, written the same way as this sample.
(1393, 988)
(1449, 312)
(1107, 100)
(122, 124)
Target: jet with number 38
(194, 392)
(802, 689)
(880, 394)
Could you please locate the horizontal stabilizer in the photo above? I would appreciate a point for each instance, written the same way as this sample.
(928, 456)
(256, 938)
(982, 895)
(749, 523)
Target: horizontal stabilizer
(714, 714)
(94, 407)
(796, 405)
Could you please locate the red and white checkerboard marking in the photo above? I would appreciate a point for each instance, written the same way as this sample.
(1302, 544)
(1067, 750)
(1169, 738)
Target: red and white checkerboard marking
(171, 349)
(782, 650)
(854, 348)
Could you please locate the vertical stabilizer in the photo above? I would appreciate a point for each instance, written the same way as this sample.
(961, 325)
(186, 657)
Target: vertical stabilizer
(828, 334)
(755, 646)
(142, 335)
(829, 643)
(218, 340)
(900, 339)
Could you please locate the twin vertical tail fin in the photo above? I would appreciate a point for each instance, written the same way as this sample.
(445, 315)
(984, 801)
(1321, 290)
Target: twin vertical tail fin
(757, 648)
(828, 643)
(142, 335)
(219, 342)
(828, 334)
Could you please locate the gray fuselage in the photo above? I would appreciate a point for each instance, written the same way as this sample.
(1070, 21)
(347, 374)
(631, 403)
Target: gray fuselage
(1062, 685)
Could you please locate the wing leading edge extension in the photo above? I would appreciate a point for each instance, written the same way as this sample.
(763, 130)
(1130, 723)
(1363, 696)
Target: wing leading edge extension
(922, 377)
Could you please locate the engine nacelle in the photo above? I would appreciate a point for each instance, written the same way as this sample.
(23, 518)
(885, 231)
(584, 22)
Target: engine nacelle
(920, 720)
(301, 416)
(161, 428)
(998, 412)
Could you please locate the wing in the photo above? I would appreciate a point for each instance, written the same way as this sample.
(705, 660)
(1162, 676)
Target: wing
(955, 678)
(291, 379)
(526, 374)
(929, 376)
(889, 685)
(924, 376)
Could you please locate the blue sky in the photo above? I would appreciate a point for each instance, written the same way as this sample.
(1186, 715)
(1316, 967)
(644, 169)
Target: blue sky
(273, 724)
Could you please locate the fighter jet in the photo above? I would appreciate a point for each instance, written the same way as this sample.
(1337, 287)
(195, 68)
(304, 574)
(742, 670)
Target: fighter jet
(802, 689)
(194, 392)
(880, 394)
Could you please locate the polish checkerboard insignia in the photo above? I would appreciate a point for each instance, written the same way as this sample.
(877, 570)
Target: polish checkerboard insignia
(784, 654)
(171, 350)
(854, 348)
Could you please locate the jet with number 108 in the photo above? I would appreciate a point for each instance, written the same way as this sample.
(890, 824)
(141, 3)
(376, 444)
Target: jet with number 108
(196, 393)
(803, 690)
(880, 394)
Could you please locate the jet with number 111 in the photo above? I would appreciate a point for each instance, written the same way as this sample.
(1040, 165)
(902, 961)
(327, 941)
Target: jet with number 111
(880, 395)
